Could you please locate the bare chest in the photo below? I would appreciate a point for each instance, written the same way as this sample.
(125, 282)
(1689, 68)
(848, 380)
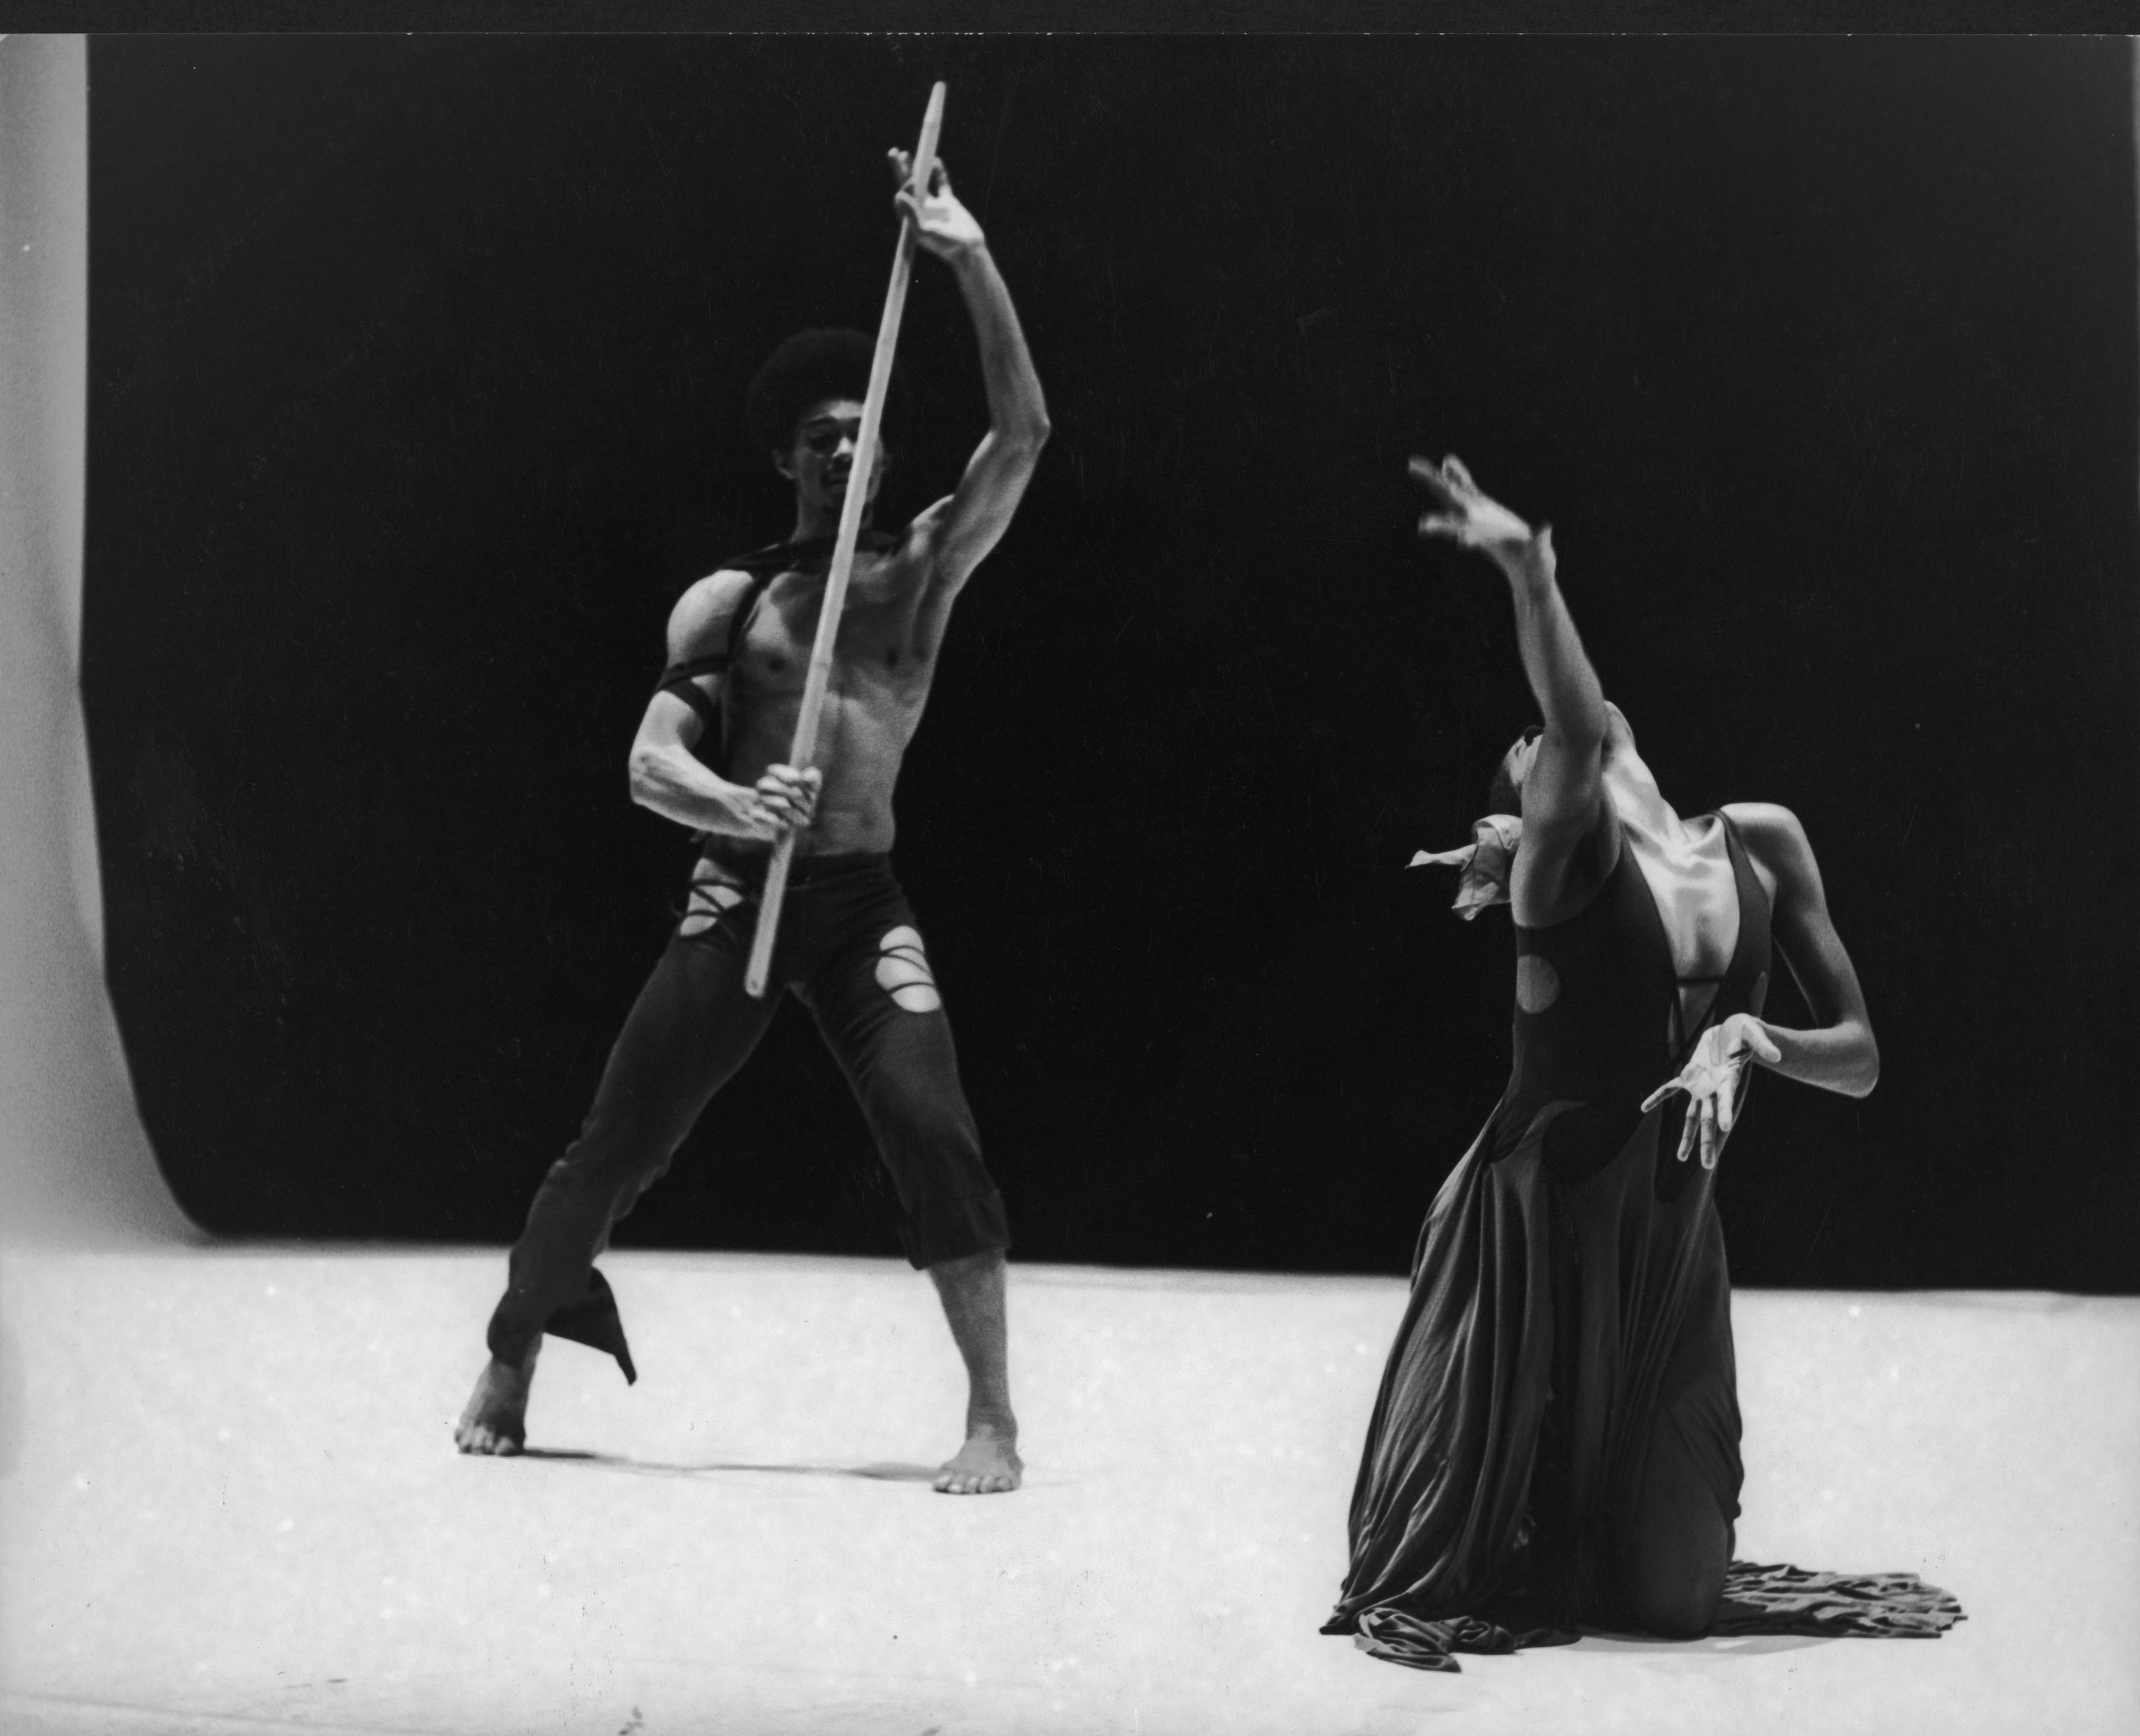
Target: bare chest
(879, 649)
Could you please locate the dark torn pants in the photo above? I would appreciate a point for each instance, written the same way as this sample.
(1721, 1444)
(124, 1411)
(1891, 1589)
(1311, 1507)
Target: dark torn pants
(848, 949)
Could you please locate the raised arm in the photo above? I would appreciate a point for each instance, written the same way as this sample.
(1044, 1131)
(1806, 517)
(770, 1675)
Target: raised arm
(1565, 805)
(666, 775)
(963, 526)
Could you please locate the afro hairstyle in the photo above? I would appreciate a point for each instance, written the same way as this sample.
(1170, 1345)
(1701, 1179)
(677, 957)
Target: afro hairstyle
(810, 367)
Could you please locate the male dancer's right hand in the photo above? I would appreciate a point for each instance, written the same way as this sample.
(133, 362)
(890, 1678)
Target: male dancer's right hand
(784, 800)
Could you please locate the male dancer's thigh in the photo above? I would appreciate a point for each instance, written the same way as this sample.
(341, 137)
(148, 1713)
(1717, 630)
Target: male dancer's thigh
(692, 1026)
(876, 1002)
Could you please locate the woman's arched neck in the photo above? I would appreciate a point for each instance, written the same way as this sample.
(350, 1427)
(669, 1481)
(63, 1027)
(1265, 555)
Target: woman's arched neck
(1650, 821)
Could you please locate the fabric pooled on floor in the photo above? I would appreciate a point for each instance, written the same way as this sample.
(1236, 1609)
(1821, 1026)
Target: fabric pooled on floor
(1788, 1600)
(1389, 1633)
(1757, 1599)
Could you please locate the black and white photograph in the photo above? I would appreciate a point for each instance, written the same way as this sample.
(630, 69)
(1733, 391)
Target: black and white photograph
(1024, 882)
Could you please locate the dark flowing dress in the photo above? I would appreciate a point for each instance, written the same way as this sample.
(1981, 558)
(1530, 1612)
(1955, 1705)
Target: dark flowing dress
(1570, 1297)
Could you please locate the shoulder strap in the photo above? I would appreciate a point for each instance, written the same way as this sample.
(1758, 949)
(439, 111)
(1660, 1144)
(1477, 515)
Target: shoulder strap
(747, 604)
(682, 679)
(763, 566)
(767, 560)
(802, 552)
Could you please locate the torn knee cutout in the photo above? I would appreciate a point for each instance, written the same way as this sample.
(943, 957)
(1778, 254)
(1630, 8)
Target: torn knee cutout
(709, 901)
(903, 972)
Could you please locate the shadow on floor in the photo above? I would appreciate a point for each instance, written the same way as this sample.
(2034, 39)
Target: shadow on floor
(1719, 1645)
(649, 1468)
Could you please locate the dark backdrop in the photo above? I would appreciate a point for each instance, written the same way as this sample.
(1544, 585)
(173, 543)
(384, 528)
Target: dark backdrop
(416, 372)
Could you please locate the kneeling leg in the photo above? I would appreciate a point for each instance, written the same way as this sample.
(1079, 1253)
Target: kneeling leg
(1678, 1545)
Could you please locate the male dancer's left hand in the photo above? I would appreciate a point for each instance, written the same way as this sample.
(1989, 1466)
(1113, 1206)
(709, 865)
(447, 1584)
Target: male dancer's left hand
(1711, 1079)
(942, 225)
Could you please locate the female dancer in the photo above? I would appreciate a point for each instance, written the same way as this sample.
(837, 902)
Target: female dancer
(1556, 1441)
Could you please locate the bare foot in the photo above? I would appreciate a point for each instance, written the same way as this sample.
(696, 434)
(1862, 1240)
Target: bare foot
(496, 1419)
(987, 1464)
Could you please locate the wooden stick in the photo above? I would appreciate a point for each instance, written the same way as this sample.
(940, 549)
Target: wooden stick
(820, 677)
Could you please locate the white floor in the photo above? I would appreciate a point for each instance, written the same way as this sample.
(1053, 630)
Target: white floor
(230, 1503)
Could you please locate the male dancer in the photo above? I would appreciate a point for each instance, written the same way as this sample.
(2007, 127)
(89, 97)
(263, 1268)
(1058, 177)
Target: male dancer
(708, 756)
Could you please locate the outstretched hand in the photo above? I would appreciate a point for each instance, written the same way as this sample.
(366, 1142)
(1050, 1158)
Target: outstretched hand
(1468, 517)
(1711, 1079)
(940, 222)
